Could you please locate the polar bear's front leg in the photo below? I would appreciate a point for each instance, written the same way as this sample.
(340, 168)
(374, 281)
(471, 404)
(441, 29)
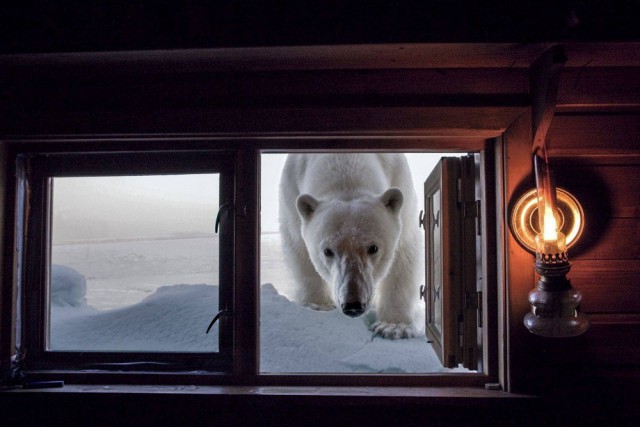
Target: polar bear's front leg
(397, 300)
(394, 317)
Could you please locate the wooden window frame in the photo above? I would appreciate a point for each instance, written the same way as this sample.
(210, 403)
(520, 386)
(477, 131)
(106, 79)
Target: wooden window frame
(245, 357)
(34, 171)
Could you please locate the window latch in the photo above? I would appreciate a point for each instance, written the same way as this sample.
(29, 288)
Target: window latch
(225, 207)
(216, 317)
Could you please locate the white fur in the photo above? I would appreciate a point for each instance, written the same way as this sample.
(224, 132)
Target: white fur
(348, 203)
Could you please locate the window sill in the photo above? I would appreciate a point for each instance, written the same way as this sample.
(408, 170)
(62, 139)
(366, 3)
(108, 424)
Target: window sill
(246, 405)
(438, 393)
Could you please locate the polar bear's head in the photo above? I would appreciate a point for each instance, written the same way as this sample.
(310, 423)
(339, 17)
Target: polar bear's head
(352, 243)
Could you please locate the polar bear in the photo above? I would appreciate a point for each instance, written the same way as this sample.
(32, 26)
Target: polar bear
(351, 238)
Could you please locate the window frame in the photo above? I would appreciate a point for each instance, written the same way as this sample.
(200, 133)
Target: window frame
(246, 152)
(488, 349)
(34, 171)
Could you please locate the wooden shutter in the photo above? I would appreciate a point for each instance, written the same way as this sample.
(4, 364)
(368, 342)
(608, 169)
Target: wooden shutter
(453, 260)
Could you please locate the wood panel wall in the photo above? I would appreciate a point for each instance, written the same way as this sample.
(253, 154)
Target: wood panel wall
(459, 91)
(596, 156)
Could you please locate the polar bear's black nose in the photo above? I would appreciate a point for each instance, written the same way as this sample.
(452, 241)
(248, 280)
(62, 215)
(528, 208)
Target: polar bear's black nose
(353, 309)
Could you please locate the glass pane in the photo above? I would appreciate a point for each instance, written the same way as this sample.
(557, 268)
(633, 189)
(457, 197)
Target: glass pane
(299, 338)
(134, 263)
(436, 280)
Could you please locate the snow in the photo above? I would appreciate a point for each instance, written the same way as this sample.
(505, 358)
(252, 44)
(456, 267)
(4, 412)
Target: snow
(173, 319)
(70, 287)
(293, 338)
(297, 339)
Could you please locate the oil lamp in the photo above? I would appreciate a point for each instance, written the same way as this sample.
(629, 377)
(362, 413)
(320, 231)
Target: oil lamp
(554, 302)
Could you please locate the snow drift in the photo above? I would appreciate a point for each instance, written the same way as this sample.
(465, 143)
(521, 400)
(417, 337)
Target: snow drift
(174, 318)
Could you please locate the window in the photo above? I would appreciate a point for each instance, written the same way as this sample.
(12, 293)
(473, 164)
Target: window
(297, 339)
(453, 258)
(119, 244)
(127, 260)
(138, 244)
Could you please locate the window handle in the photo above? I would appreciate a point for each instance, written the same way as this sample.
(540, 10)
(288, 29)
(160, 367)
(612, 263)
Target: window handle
(225, 206)
(216, 317)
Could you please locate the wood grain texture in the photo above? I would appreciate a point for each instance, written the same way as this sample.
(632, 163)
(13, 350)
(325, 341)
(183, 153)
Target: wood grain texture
(593, 135)
(618, 241)
(596, 157)
(486, 122)
(517, 274)
(599, 88)
(607, 286)
(620, 182)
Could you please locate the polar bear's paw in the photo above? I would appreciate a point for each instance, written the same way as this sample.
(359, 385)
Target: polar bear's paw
(320, 307)
(394, 330)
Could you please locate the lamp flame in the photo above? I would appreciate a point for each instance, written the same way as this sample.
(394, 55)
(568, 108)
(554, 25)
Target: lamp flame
(550, 225)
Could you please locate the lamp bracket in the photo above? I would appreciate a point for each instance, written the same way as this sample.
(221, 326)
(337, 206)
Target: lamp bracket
(544, 77)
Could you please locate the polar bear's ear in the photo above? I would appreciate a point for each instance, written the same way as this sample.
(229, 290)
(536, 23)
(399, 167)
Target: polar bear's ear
(392, 199)
(306, 205)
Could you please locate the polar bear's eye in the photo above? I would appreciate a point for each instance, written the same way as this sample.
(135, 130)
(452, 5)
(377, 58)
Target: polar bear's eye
(328, 253)
(372, 249)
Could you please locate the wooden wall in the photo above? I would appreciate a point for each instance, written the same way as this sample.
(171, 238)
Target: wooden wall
(594, 145)
(594, 148)
(596, 155)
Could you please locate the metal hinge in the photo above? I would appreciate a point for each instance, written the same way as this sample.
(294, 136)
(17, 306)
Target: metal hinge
(479, 323)
(472, 210)
(473, 301)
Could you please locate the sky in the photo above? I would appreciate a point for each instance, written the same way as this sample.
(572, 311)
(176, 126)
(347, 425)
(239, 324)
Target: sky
(421, 165)
(135, 207)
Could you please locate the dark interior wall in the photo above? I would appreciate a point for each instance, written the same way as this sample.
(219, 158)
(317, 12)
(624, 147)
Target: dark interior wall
(76, 25)
(594, 148)
(5, 299)
(597, 156)
(594, 143)
(201, 409)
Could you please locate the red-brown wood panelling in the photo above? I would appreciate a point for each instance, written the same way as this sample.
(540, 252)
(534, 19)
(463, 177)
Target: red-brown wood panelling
(593, 135)
(608, 87)
(596, 156)
(607, 286)
(606, 260)
(620, 183)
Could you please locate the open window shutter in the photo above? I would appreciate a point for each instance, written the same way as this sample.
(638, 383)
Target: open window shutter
(451, 260)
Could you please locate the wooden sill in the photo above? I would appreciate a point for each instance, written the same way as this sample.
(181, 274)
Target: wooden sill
(444, 393)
